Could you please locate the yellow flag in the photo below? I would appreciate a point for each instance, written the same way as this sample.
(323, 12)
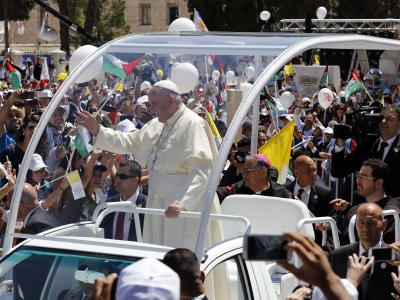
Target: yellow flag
(277, 149)
(214, 129)
(316, 59)
(382, 101)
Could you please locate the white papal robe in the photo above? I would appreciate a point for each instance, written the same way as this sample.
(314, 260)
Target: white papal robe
(179, 154)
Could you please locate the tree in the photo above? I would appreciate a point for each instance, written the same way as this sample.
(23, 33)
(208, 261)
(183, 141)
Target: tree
(13, 10)
(64, 29)
(368, 9)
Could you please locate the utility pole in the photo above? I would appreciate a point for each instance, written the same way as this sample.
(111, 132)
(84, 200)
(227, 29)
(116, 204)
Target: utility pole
(6, 38)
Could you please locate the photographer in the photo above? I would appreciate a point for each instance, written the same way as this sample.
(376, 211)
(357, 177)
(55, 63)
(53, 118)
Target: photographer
(385, 148)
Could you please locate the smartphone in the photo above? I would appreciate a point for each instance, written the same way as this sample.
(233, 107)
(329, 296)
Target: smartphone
(27, 95)
(382, 254)
(266, 248)
(342, 132)
(34, 110)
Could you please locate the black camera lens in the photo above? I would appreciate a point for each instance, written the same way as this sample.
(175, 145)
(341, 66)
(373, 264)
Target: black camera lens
(240, 156)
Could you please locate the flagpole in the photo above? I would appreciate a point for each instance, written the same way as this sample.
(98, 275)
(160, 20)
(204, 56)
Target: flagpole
(108, 98)
(70, 161)
(205, 61)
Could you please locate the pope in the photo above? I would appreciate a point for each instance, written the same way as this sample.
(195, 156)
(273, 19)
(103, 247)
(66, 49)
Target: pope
(178, 148)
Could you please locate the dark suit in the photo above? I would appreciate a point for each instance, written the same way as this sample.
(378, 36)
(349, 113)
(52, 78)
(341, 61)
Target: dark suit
(232, 175)
(343, 166)
(275, 190)
(381, 282)
(108, 220)
(320, 196)
(74, 294)
(39, 221)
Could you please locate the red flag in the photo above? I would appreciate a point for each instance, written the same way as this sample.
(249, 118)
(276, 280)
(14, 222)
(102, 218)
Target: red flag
(354, 75)
(112, 116)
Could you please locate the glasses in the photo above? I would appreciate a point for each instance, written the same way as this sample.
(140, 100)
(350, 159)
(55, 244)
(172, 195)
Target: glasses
(363, 177)
(248, 171)
(124, 176)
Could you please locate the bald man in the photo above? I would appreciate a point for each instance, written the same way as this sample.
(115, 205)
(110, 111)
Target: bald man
(312, 194)
(370, 224)
(35, 218)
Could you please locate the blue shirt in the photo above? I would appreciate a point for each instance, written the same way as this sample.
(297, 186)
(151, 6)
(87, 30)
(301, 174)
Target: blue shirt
(6, 140)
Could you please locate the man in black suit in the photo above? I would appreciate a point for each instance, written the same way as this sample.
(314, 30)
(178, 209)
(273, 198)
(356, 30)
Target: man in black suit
(385, 148)
(370, 224)
(371, 184)
(312, 194)
(35, 218)
(256, 180)
(185, 263)
(121, 225)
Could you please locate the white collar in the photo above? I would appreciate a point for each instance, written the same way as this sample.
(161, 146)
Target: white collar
(362, 250)
(131, 198)
(297, 188)
(389, 141)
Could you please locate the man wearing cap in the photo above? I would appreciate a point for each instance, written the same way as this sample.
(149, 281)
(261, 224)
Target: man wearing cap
(10, 120)
(179, 150)
(256, 174)
(143, 114)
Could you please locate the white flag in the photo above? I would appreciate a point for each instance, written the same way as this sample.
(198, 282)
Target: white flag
(198, 22)
(43, 23)
(75, 182)
(21, 28)
(44, 76)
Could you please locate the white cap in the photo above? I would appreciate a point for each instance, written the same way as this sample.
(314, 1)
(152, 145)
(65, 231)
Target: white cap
(306, 99)
(320, 127)
(288, 117)
(45, 94)
(171, 62)
(145, 86)
(168, 85)
(36, 163)
(148, 279)
(328, 130)
(125, 126)
(142, 100)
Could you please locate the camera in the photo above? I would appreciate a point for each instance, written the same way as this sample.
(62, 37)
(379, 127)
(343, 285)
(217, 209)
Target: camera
(34, 110)
(266, 248)
(27, 95)
(362, 124)
(240, 156)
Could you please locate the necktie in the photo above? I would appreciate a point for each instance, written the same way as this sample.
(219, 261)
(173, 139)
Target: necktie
(299, 193)
(119, 229)
(379, 155)
(364, 281)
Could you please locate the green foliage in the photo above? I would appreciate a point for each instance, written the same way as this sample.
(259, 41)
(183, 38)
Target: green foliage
(17, 9)
(368, 9)
(110, 20)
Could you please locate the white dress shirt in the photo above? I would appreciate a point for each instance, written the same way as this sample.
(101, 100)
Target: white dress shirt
(361, 249)
(305, 196)
(390, 143)
(127, 222)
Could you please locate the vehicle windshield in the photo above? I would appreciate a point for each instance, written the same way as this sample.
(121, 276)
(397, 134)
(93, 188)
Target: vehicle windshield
(57, 274)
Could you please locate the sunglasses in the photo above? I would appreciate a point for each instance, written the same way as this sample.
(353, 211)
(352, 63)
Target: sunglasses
(123, 176)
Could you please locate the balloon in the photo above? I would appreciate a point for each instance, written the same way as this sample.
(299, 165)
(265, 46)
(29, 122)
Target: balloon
(185, 76)
(265, 15)
(215, 75)
(250, 72)
(175, 64)
(321, 12)
(325, 97)
(245, 88)
(118, 87)
(62, 76)
(286, 99)
(182, 24)
(230, 74)
(160, 73)
(78, 56)
(209, 60)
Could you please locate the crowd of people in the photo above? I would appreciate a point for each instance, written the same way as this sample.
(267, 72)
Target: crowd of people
(155, 147)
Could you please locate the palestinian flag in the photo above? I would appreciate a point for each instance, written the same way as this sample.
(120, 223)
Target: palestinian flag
(110, 112)
(15, 76)
(353, 84)
(117, 67)
(324, 77)
(217, 63)
(82, 140)
(69, 144)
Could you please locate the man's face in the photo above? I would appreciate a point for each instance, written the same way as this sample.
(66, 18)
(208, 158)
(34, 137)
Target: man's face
(309, 120)
(317, 132)
(31, 104)
(222, 128)
(390, 125)
(327, 136)
(95, 181)
(252, 179)
(160, 105)
(247, 132)
(262, 139)
(13, 122)
(57, 119)
(306, 172)
(298, 133)
(284, 122)
(369, 226)
(366, 183)
(44, 102)
(201, 113)
(125, 185)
